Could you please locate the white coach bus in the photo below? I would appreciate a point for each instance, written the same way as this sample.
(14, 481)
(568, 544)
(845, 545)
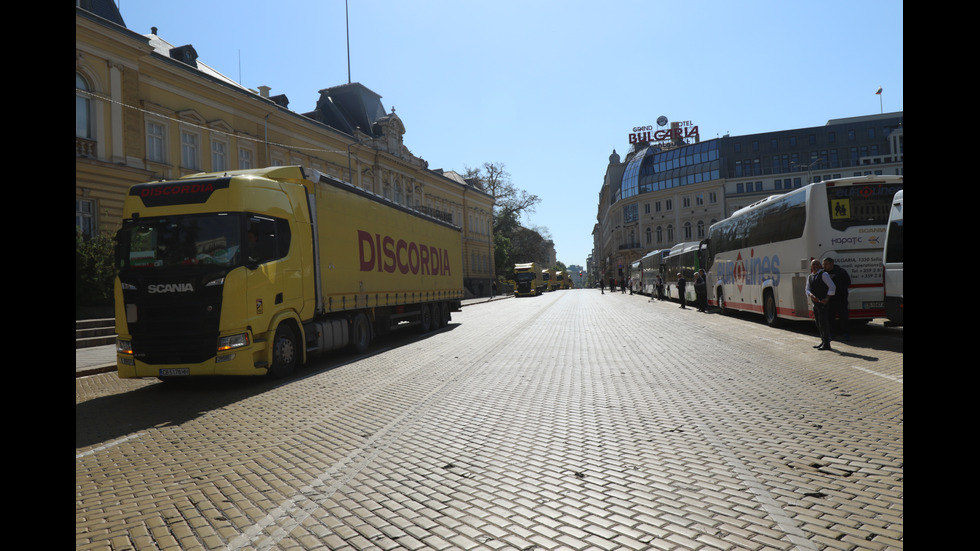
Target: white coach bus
(894, 263)
(759, 258)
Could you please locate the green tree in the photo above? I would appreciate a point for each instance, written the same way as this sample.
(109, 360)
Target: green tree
(511, 240)
(494, 179)
(95, 270)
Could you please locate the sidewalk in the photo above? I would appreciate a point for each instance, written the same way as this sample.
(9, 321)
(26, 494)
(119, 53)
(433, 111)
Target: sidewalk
(95, 359)
(102, 359)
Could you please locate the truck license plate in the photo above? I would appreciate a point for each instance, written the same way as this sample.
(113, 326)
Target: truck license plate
(175, 372)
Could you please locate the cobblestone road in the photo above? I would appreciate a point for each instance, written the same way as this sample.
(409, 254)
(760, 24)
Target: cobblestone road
(574, 420)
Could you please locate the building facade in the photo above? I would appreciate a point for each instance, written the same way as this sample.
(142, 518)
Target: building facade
(148, 110)
(669, 193)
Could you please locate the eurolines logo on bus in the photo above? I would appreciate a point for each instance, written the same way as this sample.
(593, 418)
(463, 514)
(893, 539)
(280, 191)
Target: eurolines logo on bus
(385, 253)
(751, 271)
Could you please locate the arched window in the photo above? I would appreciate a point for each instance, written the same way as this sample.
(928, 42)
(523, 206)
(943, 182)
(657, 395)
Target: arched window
(83, 108)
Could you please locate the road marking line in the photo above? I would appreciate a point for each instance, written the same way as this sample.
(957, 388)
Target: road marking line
(292, 512)
(107, 446)
(898, 380)
(768, 503)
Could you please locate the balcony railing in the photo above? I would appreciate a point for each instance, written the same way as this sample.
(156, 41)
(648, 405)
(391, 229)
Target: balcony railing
(85, 147)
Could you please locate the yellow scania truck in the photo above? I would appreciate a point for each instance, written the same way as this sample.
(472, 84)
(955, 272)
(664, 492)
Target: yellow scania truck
(550, 282)
(251, 272)
(527, 280)
(564, 281)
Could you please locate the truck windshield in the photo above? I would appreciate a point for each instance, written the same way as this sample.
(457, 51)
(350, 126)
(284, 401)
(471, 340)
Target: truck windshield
(166, 242)
(523, 276)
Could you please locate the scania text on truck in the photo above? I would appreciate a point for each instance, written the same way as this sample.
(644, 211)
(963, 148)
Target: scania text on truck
(251, 272)
(527, 279)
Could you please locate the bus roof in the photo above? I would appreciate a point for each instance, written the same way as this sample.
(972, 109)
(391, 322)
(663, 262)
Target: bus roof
(866, 179)
(685, 247)
(655, 253)
(849, 181)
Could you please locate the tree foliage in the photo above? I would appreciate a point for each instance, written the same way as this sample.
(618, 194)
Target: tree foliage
(513, 243)
(95, 270)
(508, 199)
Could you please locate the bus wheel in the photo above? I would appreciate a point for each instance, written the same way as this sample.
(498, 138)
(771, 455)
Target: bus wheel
(285, 352)
(769, 309)
(360, 333)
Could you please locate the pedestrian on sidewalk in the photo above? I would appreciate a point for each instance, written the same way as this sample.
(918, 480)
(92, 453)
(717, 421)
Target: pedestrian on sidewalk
(837, 309)
(700, 292)
(820, 288)
(681, 288)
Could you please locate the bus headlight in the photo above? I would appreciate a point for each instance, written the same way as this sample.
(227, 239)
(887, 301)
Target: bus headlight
(232, 341)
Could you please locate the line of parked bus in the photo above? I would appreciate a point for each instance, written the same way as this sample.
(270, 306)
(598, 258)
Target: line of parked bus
(758, 259)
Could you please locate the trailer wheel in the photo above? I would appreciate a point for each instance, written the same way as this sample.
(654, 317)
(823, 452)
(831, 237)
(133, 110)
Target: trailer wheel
(284, 352)
(444, 314)
(425, 319)
(360, 333)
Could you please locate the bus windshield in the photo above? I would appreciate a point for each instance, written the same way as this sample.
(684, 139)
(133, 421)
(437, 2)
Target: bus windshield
(860, 205)
(166, 242)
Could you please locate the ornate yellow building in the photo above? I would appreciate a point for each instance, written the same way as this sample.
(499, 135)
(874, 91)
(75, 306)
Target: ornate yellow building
(146, 110)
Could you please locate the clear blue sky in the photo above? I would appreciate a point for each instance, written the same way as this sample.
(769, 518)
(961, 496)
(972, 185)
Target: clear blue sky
(549, 88)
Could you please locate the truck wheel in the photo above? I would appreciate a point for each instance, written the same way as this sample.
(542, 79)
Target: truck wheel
(425, 319)
(284, 352)
(360, 333)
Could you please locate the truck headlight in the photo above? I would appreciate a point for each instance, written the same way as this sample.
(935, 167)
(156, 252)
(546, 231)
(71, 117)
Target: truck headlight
(124, 347)
(232, 341)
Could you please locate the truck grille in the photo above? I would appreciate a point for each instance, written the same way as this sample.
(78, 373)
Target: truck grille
(179, 328)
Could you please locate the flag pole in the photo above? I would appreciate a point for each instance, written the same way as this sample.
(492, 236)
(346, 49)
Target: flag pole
(347, 20)
(881, 106)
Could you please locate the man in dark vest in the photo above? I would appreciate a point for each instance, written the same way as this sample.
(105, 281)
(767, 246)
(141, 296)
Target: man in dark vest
(682, 290)
(820, 288)
(838, 304)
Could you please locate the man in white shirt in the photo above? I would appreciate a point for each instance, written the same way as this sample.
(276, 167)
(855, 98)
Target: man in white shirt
(819, 288)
